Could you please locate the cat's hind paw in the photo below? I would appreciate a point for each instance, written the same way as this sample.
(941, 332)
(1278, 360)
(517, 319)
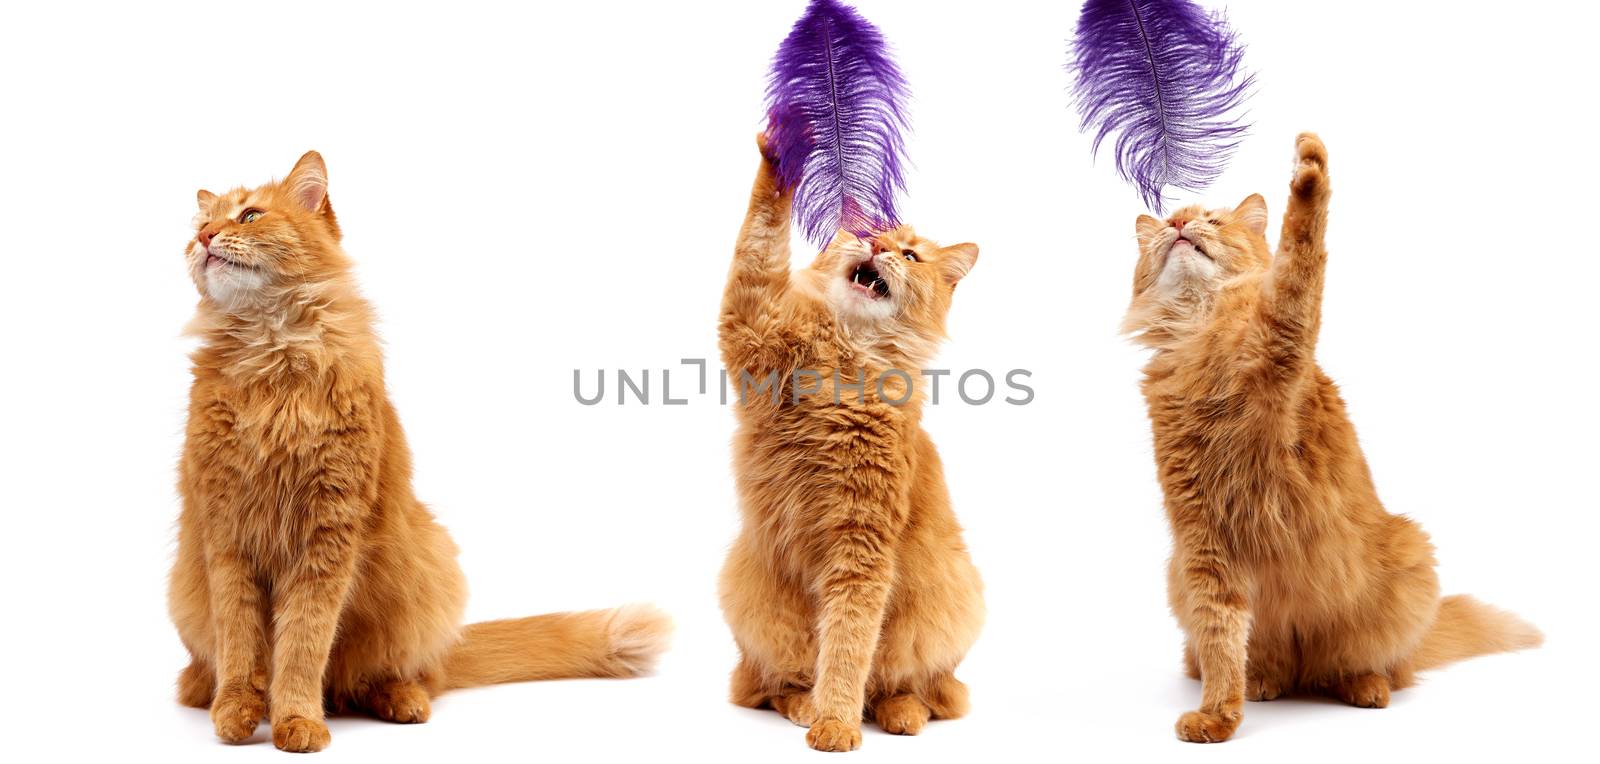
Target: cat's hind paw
(902, 715)
(1364, 691)
(1260, 689)
(796, 707)
(195, 684)
(399, 701)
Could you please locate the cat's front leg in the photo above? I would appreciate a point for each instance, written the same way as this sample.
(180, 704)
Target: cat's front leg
(760, 269)
(752, 333)
(306, 615)
(1211, 605)
(1298, 269)
(854, 595)
(239, 699)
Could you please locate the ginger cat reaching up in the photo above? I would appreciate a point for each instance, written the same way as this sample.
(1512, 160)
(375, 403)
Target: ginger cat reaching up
(308, 576)
(849, 589)
(1287, 574)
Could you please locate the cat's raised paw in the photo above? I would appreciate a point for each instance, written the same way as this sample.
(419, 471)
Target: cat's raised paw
(1311, 165)
(297, 734)
(764, 145)
(236, 711)
(1205, 727)
(797, 708)
(902, 715)
(834, 735)
(1308, 148)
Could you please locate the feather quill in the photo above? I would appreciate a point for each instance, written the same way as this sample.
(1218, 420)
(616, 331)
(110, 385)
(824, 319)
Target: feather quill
(1164, 75)
(836, 109)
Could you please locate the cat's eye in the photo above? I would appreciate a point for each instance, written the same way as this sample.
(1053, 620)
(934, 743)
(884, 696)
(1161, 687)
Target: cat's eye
(909, 254)
(250, 216)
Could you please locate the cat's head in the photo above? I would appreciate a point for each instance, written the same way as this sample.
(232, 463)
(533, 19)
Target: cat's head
(252, 246)
(1186, 259)
(893, 277)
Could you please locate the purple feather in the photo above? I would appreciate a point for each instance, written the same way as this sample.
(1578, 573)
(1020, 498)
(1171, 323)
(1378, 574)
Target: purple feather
(836, 105)
(1164, 76)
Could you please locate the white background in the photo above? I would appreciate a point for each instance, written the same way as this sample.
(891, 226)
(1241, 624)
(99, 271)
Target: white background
(535, 190)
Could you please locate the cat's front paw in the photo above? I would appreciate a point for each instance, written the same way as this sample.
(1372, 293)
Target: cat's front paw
(834, 735)
(764, 145)
(769, 183)
(1311, 166)
(237, 710)
(297, 734)
(1207, 727)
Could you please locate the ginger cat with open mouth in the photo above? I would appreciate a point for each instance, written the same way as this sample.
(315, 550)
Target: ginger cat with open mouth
(1287, 573)
(308, 575)
(849, 589)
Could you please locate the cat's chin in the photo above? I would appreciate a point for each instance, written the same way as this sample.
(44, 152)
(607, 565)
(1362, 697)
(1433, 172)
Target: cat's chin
(856, 304)
(232, 287)
(1186, 266)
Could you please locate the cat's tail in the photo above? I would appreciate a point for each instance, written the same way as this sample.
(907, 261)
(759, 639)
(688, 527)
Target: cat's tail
(1466, 628)
(620, 642)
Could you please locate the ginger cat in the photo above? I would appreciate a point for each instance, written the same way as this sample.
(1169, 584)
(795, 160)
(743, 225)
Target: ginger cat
(849, 589)
(1287, 574)
(307, 573)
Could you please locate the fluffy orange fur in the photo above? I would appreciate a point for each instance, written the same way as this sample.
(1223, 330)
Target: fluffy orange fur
(849, 589)
(1287, 574)
(308, 574)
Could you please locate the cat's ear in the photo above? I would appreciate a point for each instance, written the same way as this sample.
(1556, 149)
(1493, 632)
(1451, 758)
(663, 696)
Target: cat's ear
(308, 182)
(1253, 213)
(1147, 227)
(957, 260)
(205, 198)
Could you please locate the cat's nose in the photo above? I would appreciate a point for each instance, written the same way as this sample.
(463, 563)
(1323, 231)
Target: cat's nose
(879, 248)
(1179, 224)
(205, 236)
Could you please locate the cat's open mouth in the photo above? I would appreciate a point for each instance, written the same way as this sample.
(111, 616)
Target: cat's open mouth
(218, 260)
(867, 279)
